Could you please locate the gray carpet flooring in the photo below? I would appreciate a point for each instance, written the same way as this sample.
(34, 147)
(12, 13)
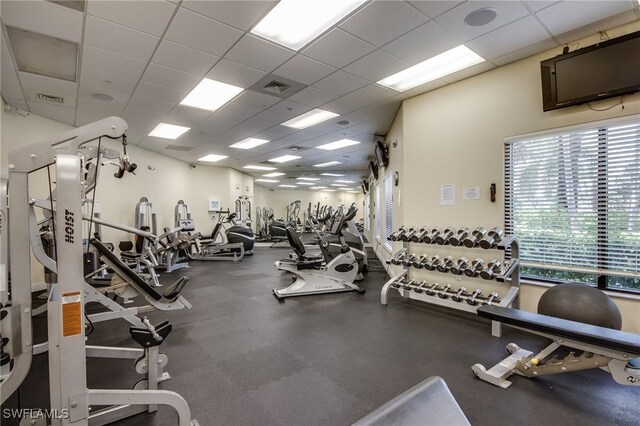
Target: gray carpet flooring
(239, 357)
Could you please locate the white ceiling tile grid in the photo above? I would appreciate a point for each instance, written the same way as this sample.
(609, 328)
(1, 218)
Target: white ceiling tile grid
(148, 54)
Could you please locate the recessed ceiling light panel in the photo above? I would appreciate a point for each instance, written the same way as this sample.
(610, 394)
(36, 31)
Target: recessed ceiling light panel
(284, 158)
(253, 167)
(274, 174)
(212, 158)
(294, 23)
(446, 63)
(307, 178)
(331, 174)
(305, 183)
(211, 95)
(344, 181)
(287, 186)
(330, 163)
(267, 180)
(338, 144)
(310, 118)
(249, 143)
(168, 131)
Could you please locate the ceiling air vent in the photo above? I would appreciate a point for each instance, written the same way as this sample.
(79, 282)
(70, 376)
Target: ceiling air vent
(276, 87)
(50, 98)
(297, 149)
(178, 148)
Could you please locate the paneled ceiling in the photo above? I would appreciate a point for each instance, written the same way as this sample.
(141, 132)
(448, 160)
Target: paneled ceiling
(139, 59)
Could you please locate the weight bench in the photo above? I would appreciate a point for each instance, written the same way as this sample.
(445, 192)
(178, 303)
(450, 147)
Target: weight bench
(169, 299)
(428, 403)
(614, 351)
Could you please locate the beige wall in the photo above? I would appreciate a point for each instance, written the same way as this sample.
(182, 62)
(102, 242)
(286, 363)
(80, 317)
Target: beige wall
(454, 135)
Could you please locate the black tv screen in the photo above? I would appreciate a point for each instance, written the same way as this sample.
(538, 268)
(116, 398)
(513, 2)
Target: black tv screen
(373, 169)
(382, 156)
(604, 70)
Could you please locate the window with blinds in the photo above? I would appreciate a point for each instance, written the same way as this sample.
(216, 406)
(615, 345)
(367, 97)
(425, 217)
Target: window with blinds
(388, 210)
(573, 198)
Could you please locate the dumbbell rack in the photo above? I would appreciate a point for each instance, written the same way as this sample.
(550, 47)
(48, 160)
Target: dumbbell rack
(512, 274)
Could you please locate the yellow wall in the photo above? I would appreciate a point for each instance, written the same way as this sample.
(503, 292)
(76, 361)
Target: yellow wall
(454, 135)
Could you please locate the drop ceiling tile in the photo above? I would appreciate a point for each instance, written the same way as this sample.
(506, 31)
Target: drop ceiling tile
(99, 108)
(304, 70)
(183, 58)
(44, 18)
(149, 105)
(258, 53)
(569, 15)
(256, 99)
(137, 113)
(424, 88)
(169, 77)
(371, 94)
(536, 5)
(194, 30)
(234, 73)
(5, 60)
(113, 63)
(89, 92)
(342, 105)
(161, 93)
(239, 14)
(86, 116)
(338, 48)
(313, 97)
(107, 81)
(469, 72)
(289, 109)
(150, 17)
(526, 52)
(507, 39)
(453, 20)
(48, 85)
(265, 120)
(153, 144)
(118, 39)
(340, 83)
(433, 8)
(382, 21)
(227, 117)
(17, 102)
(376, 66)
(422, 43)
(185, 116)
(55, 112)
(10, 85)
(275, 133)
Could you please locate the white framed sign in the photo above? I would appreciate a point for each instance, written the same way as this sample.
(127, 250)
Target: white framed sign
(214, 205)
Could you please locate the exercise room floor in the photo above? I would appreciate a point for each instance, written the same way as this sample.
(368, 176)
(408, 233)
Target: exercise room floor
(240, 357)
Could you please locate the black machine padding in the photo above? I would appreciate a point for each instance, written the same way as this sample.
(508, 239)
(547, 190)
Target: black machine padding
(591, 334)
(122, 267)
(295, 243)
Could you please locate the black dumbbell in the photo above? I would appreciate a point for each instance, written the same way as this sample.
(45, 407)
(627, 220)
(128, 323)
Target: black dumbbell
(443, 238)
(396, 235)
(474, 269)
(431, 290)
(472, 299)
(430, 237)
(460, 265)
(459, 237)
(493, 297)
(408, 284)
(406, 236)
(493, 268)
(475, 237)
(415, 238)
(445, 265)
(433, 263)
(419, 262)
(418, 288)
(408, 261)
(442, 294)
(397, 283)
(397, 260)
(492, 238)
(459, 295)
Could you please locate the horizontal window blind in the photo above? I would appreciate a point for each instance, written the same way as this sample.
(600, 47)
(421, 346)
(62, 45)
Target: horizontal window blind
(388, 210)
(572, 198)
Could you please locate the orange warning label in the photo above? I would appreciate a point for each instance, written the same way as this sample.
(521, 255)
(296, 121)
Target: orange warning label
(71, 314)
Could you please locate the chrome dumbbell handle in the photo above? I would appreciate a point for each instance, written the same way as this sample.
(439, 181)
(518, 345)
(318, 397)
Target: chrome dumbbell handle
(396, 235)
(407, 261)
(460, 266)
(492, 238)
(475, 237)
(474, 269)
(471, 300)
(407, 235)
(459, 295)
(433, 263)
(445, 265)
(430, 237)
(443, 238)
(415, 238)
(418, 288)
(419, 263)
(459, 237)
(492, 269)
(493, 297)
(431, 290)
(408, 284)
(442, 294)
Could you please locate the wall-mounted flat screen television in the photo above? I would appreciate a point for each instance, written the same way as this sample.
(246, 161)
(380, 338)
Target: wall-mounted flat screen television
(373, 169)
(382, 155)
(607, 69)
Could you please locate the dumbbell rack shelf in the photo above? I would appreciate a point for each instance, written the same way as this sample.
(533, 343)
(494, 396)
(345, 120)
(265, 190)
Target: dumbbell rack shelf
(511, 274)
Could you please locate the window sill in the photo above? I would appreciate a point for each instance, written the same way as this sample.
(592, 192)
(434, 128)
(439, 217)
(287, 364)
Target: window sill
(612, 294)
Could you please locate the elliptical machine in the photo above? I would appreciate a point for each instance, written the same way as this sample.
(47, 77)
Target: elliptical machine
(320, 275)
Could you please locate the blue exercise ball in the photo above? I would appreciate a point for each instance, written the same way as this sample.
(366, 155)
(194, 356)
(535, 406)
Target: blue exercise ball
(581, 303)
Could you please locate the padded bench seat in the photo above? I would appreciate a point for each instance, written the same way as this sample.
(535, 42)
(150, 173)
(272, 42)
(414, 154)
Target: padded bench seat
(586, 333)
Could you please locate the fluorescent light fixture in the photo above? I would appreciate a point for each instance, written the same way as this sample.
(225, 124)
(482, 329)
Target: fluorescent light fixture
(331, 174)
(344, 181)
(294, 23)
(310, 118)
(338, 144)
(265, 168)
(284, 158)
(249, 143)
(330, 163)
(446, 63)
(168, 131)
(274, 174)
(287, 186)
(305, 183)
(328, 190)
(210, 94)
(307, 178)
(267, 180)
(318, 187)
(212, 158)
(337, 184)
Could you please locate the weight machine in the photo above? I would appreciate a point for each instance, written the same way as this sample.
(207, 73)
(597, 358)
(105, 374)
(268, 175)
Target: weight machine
(70, 398)
(243, 210)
